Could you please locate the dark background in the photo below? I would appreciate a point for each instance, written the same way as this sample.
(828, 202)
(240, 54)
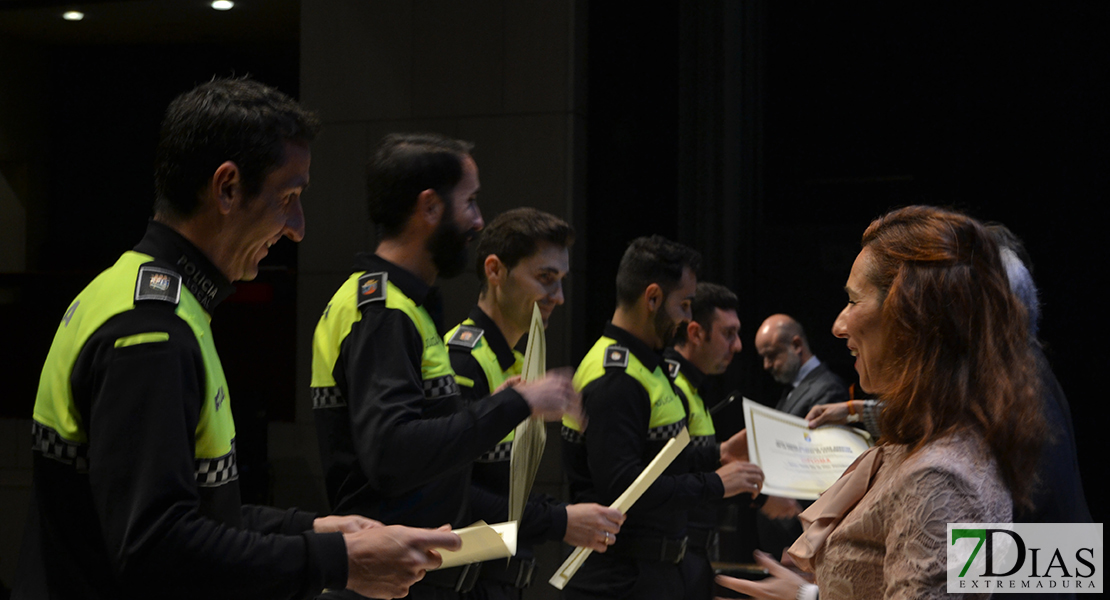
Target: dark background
(766, 134)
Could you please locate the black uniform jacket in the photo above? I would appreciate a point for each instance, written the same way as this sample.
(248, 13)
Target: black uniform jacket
(137, 524)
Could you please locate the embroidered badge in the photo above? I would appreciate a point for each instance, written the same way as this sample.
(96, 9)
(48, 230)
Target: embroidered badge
(371, 287)
(156, 283)
(466, 336)
(219, 401)
(616, 356)
(673, 368)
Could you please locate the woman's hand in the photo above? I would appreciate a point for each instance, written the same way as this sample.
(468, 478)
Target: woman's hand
(782, 584)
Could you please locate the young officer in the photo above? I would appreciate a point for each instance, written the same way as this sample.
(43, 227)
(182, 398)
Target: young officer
(522, 258)
(633, 411)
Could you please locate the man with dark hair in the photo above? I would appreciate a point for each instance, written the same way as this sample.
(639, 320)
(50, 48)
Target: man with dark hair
(396, 439)
(522, 260)
(705, 346)
(633, 410)
(135, 478)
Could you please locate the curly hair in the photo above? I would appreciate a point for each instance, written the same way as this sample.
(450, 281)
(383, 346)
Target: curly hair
(956, 338)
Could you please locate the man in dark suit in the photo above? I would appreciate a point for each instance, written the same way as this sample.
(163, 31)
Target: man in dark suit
(782, 344)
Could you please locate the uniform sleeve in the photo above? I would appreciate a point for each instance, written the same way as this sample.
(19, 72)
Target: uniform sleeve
(616, 440)
(391, 421)
(469, 374)
(705, 458)
(266, 519)
(143, 403)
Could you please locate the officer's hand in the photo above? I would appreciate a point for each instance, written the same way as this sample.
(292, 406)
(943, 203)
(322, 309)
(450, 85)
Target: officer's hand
(552, 396)
(508, 383)
(741, 478)
(384, 561)
(781, 508)
(735, 448)
(828, 414)
(343, 524)
(592, 526)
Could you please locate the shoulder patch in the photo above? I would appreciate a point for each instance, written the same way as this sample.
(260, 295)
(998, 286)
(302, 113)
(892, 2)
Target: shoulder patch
(157, 283)
(673, 368)
(616, 356)
(466, 336)
(371, 288)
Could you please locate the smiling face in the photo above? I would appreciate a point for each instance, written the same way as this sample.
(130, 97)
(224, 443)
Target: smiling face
(860, 324)
(715, 348)
(535, 279)
(257, 223)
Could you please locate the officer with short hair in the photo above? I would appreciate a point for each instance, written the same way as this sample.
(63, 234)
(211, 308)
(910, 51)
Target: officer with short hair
(135, 478)
(522, 258)
(704, 346)
(633, 410)
(396, 439)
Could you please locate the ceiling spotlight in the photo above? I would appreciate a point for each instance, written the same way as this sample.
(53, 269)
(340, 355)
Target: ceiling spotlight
(223, 5)
(73, 15)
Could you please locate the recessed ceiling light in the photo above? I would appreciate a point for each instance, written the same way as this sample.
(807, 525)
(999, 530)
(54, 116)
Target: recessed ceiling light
(73, 15)
(223, 5)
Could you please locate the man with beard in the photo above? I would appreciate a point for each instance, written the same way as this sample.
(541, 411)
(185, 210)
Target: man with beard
(784, 348)
(705, 346)
(633, 410)
(396, 439)
(783, 345)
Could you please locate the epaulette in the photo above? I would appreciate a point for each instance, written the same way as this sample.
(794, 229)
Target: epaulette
(371, 288)
(616, 356)
(158, 283)
(466, 336)
(673, 368)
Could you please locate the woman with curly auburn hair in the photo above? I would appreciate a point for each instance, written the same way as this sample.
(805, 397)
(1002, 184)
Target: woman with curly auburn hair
(940, 338)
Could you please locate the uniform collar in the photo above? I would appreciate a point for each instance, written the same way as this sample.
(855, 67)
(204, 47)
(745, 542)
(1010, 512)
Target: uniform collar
(410, 285)
(650, 358)
(207, 283)
(493, 336)
(685, 367)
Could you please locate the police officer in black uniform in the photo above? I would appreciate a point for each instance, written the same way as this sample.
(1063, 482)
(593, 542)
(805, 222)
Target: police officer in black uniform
(396, 440)
(522, 258)
(633, 410)
(135, 479)
(704, 346)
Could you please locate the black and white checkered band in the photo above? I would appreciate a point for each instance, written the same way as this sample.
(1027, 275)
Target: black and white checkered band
(572, 436)
(213, 472)
(665, 432)
(500, 453)
(46, 440)
(440, 387)
(699, 441)
(327, 397)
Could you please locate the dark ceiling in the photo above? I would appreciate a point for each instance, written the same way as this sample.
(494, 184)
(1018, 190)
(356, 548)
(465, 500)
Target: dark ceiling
(150, 21)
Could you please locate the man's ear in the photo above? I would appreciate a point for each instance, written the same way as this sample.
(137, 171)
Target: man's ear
(494, 269)
(430, 207)
(226, 186)
(653, 297)
(796, 344)
(694, 331)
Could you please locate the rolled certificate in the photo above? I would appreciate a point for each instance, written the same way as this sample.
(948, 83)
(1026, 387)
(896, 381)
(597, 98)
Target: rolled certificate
(647, 477)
